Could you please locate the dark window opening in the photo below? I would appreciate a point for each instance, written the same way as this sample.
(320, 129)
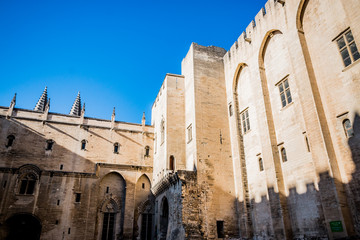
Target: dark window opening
(61, 167)
(172, 163)
(349, 131)
(307, 144)
(77, 197)
(107, 189)
(49, 144)
(283, 155)
(261, 164)
(108, 226)
(57, 222)
(147, 151)
(347, 48)
(220, 229)
(116, 148)
(146, 226)
(143, 185)
(83, 144)
(58, 202)
(230, 110)
(4, 184)
(10, 140)
(27, 184)
(69, 230)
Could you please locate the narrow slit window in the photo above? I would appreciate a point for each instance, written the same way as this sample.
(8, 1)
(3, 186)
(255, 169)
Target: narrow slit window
(347, 47)
(307, 144)
(261, 164)
(107, 189)
(143, 185)
(230, 109)
(147, 151)
(116, 148)
(189, 133)
(61, 167)
(83, 144)
(10, 140)
(220, 229)
(348, 128)
(283, 155)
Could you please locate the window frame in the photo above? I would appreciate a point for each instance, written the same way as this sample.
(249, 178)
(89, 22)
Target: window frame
(284, 92)
(283, 154)
(245, 121)
(49, 145)
(23, 188)
(346, 47)
(261, 164)
(189, 133)
(349, 132)
(83, 145)
(116, 149)
(10, 140)
(147, 151)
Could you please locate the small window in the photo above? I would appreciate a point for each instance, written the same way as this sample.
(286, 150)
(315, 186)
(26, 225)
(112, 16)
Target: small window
(57, 222)
(162, 130)
(49, 144)
(307, 144)
(189, 133)
(347, 47)
(4, 184)
(349, 131)
(27, 184)
(83, 144)
(261, 164)
(143, 185)
(172, 163)
(61, 167)
(10, 140)
(220, 229)
(230, 110)
(147, 151)
(58, 202)
(107, 189)
(69, 230)
(116, 148)
(77, 197)
(245, 121)
(285, 94)
(283, 155)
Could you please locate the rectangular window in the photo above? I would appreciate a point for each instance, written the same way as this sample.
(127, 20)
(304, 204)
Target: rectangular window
(189, 133)
(285, 94)
(77, 197)
(108, 226)
(347, 48)
(245, 121)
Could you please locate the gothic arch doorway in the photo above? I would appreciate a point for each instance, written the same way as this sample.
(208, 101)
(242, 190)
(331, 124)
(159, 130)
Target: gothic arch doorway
(23, 226)
(164, 219)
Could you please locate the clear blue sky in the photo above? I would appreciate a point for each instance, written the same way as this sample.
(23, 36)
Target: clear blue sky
(116, 53)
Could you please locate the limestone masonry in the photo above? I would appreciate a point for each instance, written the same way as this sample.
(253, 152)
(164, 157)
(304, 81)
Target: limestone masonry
(258, 142)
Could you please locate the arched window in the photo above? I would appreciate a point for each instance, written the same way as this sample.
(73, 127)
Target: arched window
(261, 165)
(349, 131)
(283, 155)
(230, 110)
(147, 151)
(27, 184)
(83, 144)
(172, 163)
(162, 130)
(49, 144)
(10, 140)
(116, 148)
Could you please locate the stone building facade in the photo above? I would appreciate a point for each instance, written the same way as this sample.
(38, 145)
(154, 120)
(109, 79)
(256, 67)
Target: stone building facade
(258, 142)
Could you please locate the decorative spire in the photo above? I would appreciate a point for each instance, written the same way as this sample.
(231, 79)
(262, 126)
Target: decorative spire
(113, 115)
(40, 105)
(76, 107)
(11, 108)
(143, 119)
(13, 101)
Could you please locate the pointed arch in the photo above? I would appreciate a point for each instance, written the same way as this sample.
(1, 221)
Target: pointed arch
(238, 70)
(264, 45)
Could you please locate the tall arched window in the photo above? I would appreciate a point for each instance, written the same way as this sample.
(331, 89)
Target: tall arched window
(83, 144)
(109, 216)
(10, 140)
(116, 148)
(349, 131)
(283, 155)
(27, 184)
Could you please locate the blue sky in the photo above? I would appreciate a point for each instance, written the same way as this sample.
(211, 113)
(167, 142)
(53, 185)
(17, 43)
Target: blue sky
(116, 53)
